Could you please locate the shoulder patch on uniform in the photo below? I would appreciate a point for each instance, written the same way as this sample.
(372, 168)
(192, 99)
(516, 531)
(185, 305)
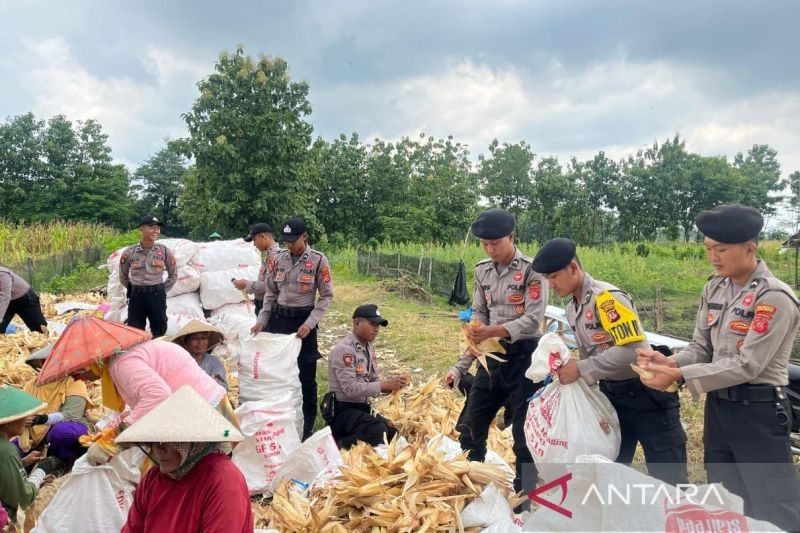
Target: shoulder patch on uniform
(347, 359)
(484, 261)
(535, 289)
(326, 274)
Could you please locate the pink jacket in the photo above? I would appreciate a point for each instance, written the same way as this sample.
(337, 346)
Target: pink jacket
(150, 372)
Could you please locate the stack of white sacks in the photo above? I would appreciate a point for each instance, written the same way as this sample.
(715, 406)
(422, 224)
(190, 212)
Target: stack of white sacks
(269, 388)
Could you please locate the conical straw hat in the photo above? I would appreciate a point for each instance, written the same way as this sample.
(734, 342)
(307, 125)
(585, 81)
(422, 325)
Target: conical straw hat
(183, 417)
(198, 326)
(16, 404)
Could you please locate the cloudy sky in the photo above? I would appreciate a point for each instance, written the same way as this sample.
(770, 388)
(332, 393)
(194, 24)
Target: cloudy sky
(569, 77)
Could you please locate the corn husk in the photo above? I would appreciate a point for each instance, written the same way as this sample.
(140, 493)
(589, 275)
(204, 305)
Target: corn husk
(646, 374)
(412, 489)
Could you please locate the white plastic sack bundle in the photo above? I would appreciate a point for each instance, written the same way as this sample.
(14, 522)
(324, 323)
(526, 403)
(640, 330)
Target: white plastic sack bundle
(313, 463)
(489, 510)
(600, 495)
(185, 304)
(217, 290)
(95, 499)
(565, 421)
(188, 281)
(270, 436)
(114, 288)
(226, 255)
(551, 353)
(268, 370)
(234, 324)
(176, 322)
(183, 250)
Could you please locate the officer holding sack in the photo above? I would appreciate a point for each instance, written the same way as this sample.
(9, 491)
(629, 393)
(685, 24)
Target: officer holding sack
(141, 271)
(608, 331)
(353, 380)
(261, 237)
(738, 357)
(291, 306)
(509, 303)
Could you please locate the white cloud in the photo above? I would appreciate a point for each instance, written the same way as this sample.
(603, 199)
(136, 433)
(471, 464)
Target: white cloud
(137, 115)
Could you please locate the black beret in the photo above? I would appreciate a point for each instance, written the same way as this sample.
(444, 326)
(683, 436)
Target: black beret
(554, 255)
(493, 224)
(255, 229)
(149, 220)
(730, 223)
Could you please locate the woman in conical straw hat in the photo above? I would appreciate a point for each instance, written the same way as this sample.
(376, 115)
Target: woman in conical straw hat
(17, 490)
(138, 373)
(199, 338)
(195, 487)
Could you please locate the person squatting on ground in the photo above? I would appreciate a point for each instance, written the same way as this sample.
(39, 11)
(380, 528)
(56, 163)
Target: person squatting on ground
(353, 379)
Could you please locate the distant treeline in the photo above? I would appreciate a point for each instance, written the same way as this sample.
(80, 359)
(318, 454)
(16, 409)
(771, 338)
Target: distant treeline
(250, 156)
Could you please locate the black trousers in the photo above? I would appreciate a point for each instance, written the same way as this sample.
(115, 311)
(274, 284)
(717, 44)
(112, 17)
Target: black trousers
(464, 386)
(652, 418)
(353, 422)
(29, 310)
(148, 303)
(306, 363)
(504, 384)
(747, 450)
(259, 304)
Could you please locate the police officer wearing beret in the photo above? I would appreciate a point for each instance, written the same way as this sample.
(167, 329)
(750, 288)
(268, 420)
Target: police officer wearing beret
(353, 380)
(261, 237)
(141, 271)
(291, 305)
(608, 331)
(509, 302)
(738, 357)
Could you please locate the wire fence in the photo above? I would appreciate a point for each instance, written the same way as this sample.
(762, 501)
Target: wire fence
(42, 270)
(437, 276)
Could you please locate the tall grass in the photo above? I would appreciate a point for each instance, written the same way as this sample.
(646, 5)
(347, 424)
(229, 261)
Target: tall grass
(19, 241)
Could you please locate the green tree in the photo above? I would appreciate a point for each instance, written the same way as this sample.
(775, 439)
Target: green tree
(505, 176)
(250, 143)
(761, 172)
(159, 183)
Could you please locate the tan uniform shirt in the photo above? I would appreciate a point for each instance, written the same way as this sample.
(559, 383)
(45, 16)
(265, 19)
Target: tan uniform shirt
(353, 371)
(143, 267)
(514, 297)
(741, 336)
(296, 285)
(11, 287)
(257, 287)
(600, 357)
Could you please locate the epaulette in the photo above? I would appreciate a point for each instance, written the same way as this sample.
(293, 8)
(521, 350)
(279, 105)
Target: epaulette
(774, 284)
(483, 261)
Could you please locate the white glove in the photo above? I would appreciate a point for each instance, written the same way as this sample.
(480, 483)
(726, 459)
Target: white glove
(55, 418)
(37, 477)
(97, 455)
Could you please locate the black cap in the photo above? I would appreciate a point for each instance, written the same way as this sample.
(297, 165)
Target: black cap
(149, 220)
(730, 223)
(554, 255)
(493, 224)
(255, 229)
(292, 229)
(371, 313)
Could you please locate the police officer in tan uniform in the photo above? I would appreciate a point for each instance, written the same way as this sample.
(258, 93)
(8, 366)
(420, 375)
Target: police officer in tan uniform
(608, 331)
(141, 271)
(738, 357)
(17, 297)
(509, 302)
(261, 237)
(353, 380)
(291, 306)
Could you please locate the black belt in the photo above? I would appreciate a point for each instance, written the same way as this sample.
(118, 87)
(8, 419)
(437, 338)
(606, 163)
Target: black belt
(293, 312)
(147, 289)
(747, 393)
(624, 386)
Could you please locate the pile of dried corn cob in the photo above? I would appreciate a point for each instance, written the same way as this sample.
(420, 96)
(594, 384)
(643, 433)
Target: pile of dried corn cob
(412, 489)
(420, 412)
